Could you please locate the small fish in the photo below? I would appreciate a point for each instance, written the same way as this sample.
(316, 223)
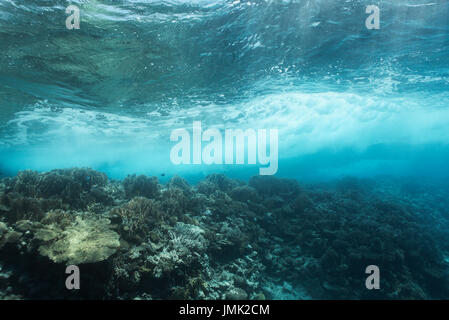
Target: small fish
(163, 174)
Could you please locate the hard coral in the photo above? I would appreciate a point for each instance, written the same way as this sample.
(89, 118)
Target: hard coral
(224, 238)
(269, 186)
(141, 186)
(138, 217)
(68, 186)
(214, 182)
(86, 240)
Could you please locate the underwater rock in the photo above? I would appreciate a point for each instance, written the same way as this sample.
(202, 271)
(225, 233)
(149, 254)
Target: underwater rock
(86, 240)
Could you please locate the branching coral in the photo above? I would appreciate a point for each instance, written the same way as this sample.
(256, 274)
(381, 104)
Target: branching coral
(32, 193)
(186, 244)
(214, 182)
(138, 217)
(141, 186)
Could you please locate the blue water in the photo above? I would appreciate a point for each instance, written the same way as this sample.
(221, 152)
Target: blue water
(345, 99)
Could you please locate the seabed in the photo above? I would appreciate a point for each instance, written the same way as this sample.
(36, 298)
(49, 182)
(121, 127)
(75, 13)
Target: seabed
(268, 238)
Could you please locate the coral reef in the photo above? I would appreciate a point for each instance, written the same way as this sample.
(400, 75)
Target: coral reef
(137, 217)
(141, 186)
(269, 238)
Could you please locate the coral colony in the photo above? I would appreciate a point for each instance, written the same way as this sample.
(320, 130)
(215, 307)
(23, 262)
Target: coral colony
(222, 238)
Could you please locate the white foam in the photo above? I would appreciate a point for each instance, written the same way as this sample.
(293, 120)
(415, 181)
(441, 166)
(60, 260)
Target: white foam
(308, 123)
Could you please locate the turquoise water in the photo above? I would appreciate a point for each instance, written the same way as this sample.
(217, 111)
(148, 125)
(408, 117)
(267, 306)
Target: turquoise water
(345, 99)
